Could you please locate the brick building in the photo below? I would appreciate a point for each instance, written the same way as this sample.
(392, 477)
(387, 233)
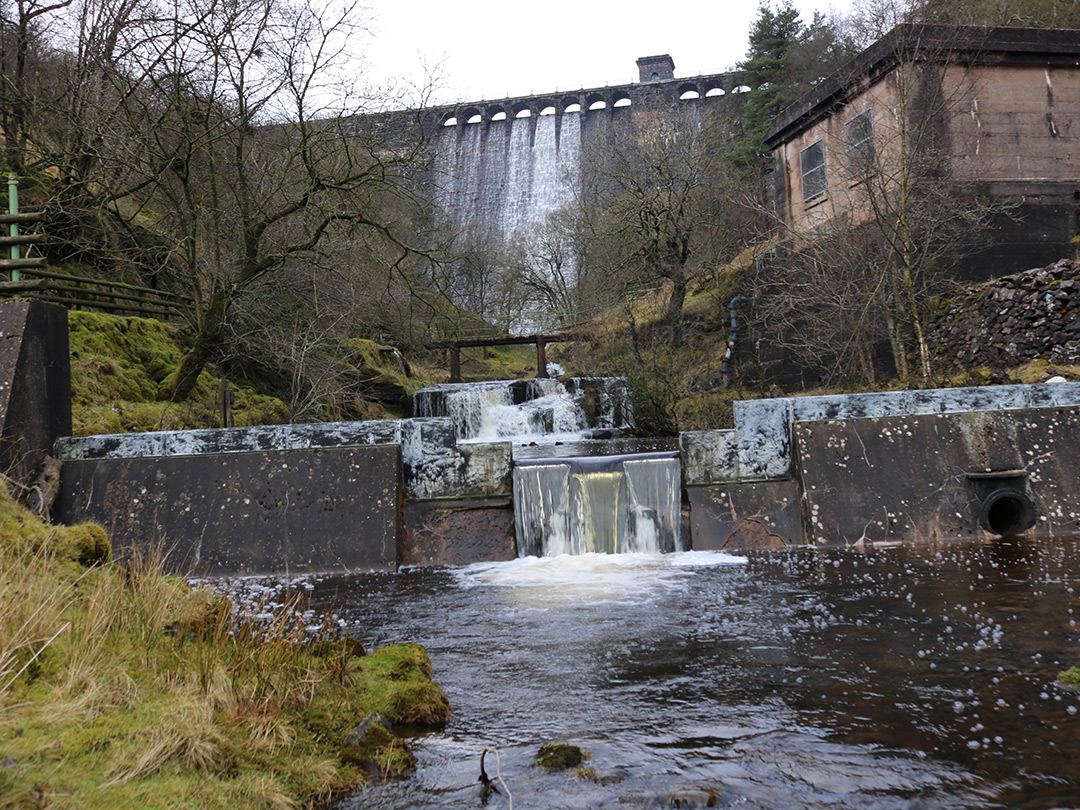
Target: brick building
(998, 109)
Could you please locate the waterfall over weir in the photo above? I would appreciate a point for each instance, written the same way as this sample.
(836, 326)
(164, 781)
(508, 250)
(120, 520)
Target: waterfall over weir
(540, 411)
(601, 502)
(606, 504)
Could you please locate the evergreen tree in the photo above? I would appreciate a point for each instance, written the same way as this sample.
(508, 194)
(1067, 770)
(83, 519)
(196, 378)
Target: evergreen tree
(772, 37)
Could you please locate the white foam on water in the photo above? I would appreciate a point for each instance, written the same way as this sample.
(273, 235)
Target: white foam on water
(704, 559)
(591, 577)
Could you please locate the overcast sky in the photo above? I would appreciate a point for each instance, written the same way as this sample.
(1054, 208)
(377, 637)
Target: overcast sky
(491, 49)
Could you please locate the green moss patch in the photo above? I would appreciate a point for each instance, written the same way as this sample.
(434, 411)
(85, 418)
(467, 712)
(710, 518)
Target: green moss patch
(560, 756)
(1070, 677)
(120, 366)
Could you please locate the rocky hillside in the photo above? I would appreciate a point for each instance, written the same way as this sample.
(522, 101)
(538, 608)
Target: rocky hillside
(1011, 320)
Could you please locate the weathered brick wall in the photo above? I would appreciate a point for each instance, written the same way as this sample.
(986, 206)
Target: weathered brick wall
(1008, 321)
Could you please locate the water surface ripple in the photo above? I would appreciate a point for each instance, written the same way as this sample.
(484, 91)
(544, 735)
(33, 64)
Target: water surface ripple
(918, 677)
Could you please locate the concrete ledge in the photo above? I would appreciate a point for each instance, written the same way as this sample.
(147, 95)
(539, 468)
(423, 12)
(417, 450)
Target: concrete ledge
(246, 513)
(436, 466)
(709, 456)
(229, 440)
(764, 426)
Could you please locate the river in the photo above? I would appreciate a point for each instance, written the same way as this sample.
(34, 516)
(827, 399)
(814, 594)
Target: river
(908, 677)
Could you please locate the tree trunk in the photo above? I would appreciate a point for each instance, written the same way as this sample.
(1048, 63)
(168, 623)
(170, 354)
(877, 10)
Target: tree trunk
(208, 340)
(675, 305)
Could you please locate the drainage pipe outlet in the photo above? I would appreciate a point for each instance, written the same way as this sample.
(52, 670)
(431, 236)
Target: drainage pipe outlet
(1006, 511)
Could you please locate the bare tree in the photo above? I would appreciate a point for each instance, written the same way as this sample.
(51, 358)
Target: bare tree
(232, 146)
(656, 209)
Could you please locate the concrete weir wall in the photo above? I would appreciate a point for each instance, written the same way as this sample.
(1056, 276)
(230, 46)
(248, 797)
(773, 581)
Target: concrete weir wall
(870, 468)
(349, 496)
(35, 385)
(848, 470)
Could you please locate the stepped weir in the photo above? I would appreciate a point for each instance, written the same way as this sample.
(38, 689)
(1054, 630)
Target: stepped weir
(606, 502)
(843, 470)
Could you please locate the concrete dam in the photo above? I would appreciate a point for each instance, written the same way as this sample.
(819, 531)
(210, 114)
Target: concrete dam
(504, 165)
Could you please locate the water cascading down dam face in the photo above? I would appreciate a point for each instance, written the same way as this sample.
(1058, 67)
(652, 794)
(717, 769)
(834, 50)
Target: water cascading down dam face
(509, 174)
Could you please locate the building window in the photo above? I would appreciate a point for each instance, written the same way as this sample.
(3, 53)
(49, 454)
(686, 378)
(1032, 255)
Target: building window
(859, 142)
(812, 164)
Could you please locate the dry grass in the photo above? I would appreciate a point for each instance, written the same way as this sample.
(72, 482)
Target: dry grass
(124, 687)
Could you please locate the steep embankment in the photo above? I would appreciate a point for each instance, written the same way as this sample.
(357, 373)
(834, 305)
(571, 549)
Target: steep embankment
(1020, 328)
(1012, 320)
(118, 368)
(121, 365)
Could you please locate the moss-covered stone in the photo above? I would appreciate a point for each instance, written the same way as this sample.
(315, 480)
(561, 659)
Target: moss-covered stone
(1070, 677)
(375, 748)
(87, 544)
(560, 756)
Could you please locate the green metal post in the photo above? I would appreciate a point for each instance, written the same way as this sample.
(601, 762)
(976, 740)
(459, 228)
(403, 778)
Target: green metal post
(13, 228)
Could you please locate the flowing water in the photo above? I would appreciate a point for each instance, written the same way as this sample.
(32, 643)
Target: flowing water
(606, 504)
(916, 677)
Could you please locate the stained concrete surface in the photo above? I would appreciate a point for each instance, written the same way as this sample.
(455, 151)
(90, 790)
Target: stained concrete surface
(916, 477)
(35, 384)
(246, 513)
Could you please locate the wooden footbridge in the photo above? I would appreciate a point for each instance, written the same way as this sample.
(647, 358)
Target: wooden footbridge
(541, 341)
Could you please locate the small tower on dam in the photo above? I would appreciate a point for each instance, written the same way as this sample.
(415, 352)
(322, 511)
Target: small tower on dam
(656, 68)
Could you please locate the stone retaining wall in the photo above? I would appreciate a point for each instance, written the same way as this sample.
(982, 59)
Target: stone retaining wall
(1008, 321)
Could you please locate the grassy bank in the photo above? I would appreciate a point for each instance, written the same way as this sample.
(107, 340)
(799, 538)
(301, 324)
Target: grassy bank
(120, 687)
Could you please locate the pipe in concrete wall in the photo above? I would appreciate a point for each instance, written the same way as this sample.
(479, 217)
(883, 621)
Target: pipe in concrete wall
(1006, 511)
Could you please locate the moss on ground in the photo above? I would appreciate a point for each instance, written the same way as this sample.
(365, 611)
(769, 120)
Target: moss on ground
(120, 365)
(126, 688)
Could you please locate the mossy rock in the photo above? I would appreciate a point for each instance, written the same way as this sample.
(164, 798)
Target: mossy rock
(86, 543)
(1070, 677)
(560, 756)
(120, 369)
(373, 747)
(393, 681)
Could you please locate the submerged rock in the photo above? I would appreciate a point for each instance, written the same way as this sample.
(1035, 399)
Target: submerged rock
(691, 797)
(559, 756)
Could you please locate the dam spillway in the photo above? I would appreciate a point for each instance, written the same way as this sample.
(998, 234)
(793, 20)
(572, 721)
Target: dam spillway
(510, 174)
(598, 504)
(503, 165)
(608, 502)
